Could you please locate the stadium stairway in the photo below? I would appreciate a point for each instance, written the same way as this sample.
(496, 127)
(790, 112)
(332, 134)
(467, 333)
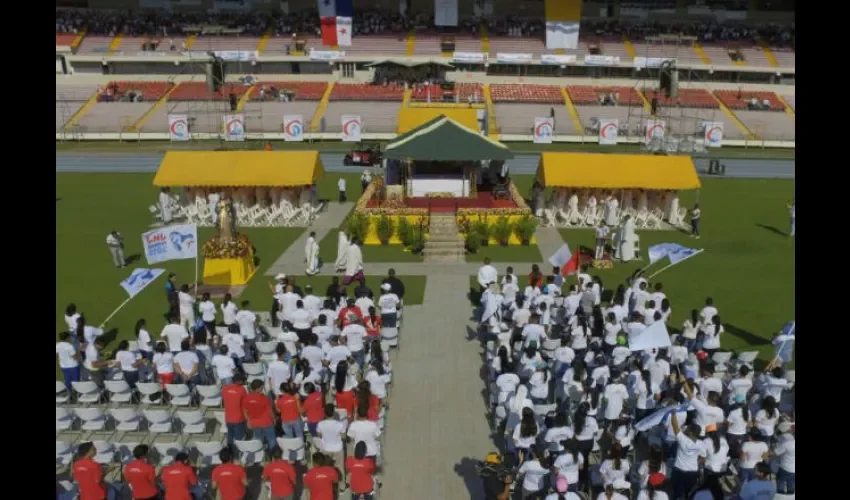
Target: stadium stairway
(646, 104)
(768, 54)
(75, 119)
(191, 40)
(788, 109)
(77, 41)
(629, 47)
(316, 122)
(115, 44)
(568, 102)
(701, 53)
(137, 127)
(405, 101)
(492, 129)
(411, 43)
(485, 41)
(737, 121)
(264, 40)
(246, 97)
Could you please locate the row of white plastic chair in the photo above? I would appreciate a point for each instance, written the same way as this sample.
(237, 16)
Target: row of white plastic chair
(119, 391)
(284, 214)
(92, 419)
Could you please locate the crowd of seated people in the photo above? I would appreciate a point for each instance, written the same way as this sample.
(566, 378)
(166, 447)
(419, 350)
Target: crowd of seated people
(704, 31)
(149, 22)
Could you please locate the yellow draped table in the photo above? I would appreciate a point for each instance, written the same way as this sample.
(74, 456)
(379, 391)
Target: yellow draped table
(236, 271)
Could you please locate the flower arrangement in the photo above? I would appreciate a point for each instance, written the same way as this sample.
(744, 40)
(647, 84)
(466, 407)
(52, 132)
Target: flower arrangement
(603, 264)
(217, 248)
(440, 195)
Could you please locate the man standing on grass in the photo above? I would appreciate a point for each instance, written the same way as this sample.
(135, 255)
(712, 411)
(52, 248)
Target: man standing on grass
(695, 217)
(341, 185)
(115, 242)
(791, 212)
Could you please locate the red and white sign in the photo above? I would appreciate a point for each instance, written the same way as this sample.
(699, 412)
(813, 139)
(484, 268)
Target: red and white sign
(178, 128)
(293, 128)
(609, 129)
(351, 128)
(544, 130)
(713, 134)
(234, 127)
(655, 129)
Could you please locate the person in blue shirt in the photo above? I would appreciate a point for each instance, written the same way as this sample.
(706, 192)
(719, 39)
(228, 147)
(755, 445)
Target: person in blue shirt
(171, 296)
(761, 488)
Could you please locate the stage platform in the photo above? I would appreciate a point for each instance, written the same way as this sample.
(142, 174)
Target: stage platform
(483, 199)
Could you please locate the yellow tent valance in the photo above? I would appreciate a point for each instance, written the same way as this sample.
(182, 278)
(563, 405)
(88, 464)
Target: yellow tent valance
(612, 171)
(239, 168)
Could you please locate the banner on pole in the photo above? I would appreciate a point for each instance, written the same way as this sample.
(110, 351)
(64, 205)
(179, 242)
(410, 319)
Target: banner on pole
(178, 128)
(445, 12)
(139, 279)
(654, 130)
(171, 243)
(562, 23)
(544, 130)
(713, 134)
(351, 128)
(609, 129)
(293, 128)
(674, 251)
(654, 336)
(234, 127)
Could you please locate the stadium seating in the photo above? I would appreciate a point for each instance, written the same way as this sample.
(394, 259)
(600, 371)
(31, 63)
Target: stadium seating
(198, 91)
(65, 39)
(516, 45)
(587, 95)
(151, 91)
(735, 99)
(688, 98)
(539, 94)
(304, 91)
(463, 90)
(367, 92)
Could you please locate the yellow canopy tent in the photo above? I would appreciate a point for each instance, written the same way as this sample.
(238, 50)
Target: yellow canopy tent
(612, 171)
(239, 168)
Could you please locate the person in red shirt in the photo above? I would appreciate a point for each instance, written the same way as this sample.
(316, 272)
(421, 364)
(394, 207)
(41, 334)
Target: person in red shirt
(288, 405)
(346, 400)
(228, 478)
(258, 412)
(313, 407)
(234, 418)
(322, 478)
(372, 322)
(141, 475)
(88, 475)
(360, 470)
(180, 481)
(366, 399)
(349, 313)
(281, 475)
(535, 277)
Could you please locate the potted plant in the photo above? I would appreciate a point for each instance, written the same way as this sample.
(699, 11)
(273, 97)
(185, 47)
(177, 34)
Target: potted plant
(384, 228)
(404, 232)
(417, 240)
(358, 227)
(525, 228)
(481, 229)
(502, 231)
(473, 242)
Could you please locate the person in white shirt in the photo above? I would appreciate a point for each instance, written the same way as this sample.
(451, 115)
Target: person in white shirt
(708, 312)
(366, 431)
(364, 302)
(163, 362)
(207, 310)
(615, 395)
(187, 307)
(388, 303)
(711, 339)
(278, 372)
(130, 362)
(753, 452)
(86, 333)
(288, 300)
(329, 433)
(709, 412)
(772, 383)
(716, 460)
(299, 317)
(323, 331)
(601, 240)
(311, 255)
(187, 365)
(534, 475)
(144, 339)
(94, 365)
(247, 321)
(533, 333)
(509, 271)
(355, 334)
(71, 316)
(616, 467)
(115, 243)
(69, 360)
(378, 379)
(766, 418)
(786, 451)
(336, 353)
(229, 310)
(688, 452)
(224, 365)
(509, 291)
(610, 493)
(690, 329)
(487, 274)
(312, 303)
(174, 333)
(341, 185)
(306, 374)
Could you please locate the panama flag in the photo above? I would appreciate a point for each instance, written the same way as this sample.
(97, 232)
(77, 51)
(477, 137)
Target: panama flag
(336, 22)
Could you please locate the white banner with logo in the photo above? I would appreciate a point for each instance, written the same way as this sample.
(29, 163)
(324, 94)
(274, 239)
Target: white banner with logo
(651, 62)
(562, 34)
(654, 130)
(557, 59)
(234, 127)
(351, 127)
(544, 130)
(609, 129)
(171, 243)
(469, 57)
(237, 55)
(445, 12)
(507, 58)
(594, 60)
(713, 133)
(293, 128)
(139, 279)
(326, 55)
(178, 128)
(482, 8)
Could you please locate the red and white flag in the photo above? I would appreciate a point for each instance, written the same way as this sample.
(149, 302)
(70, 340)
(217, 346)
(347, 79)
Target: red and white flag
(335, 16)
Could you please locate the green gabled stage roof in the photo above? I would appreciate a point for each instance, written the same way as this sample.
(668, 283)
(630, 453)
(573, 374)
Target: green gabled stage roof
(443, 139)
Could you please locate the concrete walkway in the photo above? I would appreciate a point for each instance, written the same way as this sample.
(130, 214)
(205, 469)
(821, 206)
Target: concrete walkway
(292, 260)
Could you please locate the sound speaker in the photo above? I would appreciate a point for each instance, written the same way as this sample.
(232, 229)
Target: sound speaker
(654, 105)
(215, 75)
(669, 82)
(674, 84)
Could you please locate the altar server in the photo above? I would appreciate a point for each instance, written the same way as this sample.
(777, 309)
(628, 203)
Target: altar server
(611, 208)
(341, 251)
(673, 219)
(626, 241)
(353, 262)
(311, 255)
(165, 205)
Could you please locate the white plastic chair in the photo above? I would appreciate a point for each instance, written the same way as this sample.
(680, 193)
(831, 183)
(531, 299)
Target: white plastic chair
(721, 359)
(159, 421)
(87, 392)
(64, 419)
(221, 331)
(208, 452)
(62, 395)
(64, 453)
(254, 371)
(167, 451)
(104, 452)
(746, 358)
(125, 452)
(126, 419)
(119, 391)
(91, 419)
(210, 395)
(180, 394)
(250, 452)
(219, 417)
(294, 449)
(267, 347)
(192, 421)
(148, 390)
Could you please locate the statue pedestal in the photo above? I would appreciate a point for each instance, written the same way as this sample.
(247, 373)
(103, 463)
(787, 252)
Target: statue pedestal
(223, 270)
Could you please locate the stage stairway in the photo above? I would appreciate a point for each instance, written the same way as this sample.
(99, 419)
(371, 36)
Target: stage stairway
(444, 243)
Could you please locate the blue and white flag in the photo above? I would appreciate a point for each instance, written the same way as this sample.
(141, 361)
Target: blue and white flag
(784, 342)
(674, 251)
(658, 417)
(139, 279)
(171, 243)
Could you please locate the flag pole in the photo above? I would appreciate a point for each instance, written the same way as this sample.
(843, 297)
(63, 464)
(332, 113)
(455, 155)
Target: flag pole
(668, 266)
(113, 313)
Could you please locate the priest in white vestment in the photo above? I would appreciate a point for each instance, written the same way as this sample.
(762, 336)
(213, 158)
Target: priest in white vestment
(487, 274)
(612, 207)
(165, 205)
(627, 240)
(491, 302)
(573, 212)
(353, 263)
(341, 251)
(311, 255)
(628, 202)
(673, 219)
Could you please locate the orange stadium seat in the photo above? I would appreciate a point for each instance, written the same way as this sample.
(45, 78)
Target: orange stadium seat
(65, 39)
(587, 95)
(366, 92)
(735, 99)
(463, 90)
(151, 91)
(688, 98)
(304, 91)
(540, 94)
(198, 91)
